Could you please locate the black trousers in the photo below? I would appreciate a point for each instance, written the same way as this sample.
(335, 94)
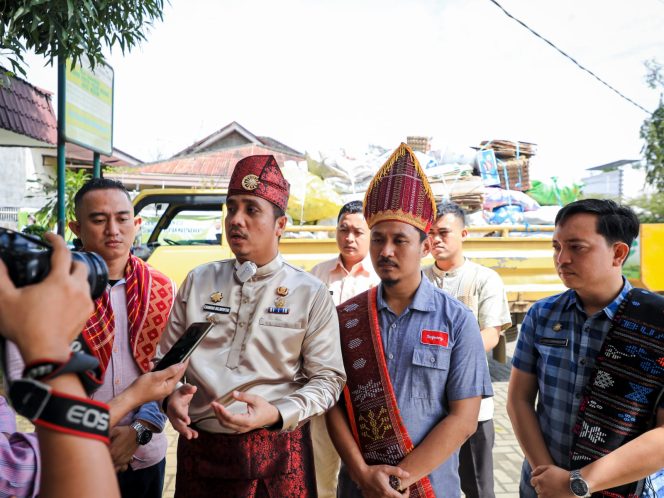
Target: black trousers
(476, 462)
(143, 483)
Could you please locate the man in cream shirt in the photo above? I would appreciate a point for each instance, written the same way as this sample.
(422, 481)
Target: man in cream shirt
(346, 276)
(271, 362)
(482, 290)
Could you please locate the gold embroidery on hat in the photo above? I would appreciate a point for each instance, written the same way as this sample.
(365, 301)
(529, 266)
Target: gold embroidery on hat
(250, 182)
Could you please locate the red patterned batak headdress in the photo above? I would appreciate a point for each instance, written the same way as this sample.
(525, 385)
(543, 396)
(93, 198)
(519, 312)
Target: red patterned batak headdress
(400, 192)
(260, 176)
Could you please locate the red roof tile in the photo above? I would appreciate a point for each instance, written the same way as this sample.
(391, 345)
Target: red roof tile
(215, 164)
(26, 110)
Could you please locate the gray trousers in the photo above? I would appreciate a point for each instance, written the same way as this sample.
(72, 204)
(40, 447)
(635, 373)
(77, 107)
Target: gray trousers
(476, 462)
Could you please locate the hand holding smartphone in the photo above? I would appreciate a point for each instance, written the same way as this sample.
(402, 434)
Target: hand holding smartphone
(185, 345)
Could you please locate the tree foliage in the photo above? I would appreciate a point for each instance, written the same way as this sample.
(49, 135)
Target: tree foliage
(652, 130)
(72, 28)
(47, 216)
(649, 208)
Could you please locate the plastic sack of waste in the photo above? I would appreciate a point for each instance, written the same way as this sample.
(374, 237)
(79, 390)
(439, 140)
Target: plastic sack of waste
(506, 215)
(495, 197)
(553, 194)
(310, 198)
(546, 215)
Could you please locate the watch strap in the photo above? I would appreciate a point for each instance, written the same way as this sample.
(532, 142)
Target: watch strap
(82, 364)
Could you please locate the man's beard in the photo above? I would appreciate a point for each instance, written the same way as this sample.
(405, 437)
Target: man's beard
(389, 282)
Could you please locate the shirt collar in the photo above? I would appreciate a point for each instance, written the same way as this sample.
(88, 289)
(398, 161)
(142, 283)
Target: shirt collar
(361, 267)
(450, 274)
(422, 301)
(266, 269)
(610, 309)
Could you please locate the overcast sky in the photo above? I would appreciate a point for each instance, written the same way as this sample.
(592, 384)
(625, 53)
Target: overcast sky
(318, 75)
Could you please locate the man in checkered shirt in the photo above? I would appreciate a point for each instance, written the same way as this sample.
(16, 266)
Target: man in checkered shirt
(555, 355)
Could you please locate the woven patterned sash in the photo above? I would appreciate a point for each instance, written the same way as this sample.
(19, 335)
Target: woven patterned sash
(372, 408)
(149, 301)
(622, 396)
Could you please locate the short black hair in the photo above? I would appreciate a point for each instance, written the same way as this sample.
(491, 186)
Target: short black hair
(98, 184)
(451, 208)
(423, 235)
(615, 222)
(278, 212)
(352, 207)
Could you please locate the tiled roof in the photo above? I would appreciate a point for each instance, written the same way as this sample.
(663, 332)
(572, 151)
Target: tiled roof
(27, 110)
(217, 164)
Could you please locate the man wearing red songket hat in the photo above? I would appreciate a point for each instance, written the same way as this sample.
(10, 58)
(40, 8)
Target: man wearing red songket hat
(271, 362)
(413, 355)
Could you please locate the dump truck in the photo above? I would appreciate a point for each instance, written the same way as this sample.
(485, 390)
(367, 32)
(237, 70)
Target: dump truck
(183, 228)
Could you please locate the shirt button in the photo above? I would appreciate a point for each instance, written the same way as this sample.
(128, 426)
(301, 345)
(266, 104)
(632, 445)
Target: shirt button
(582, 361)
(394, 325)
(241, 324)
(117, 381)
(390, 356)
(115, 350)
(577, 395)
(245, 300)
(432, 360)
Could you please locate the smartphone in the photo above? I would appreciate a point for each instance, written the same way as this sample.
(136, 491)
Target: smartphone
(185, 345)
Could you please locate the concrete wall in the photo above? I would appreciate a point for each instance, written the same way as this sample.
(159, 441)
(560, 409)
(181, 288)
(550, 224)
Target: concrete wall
(17, 166)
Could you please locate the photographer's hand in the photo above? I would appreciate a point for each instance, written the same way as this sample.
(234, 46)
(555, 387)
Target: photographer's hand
(44, 318)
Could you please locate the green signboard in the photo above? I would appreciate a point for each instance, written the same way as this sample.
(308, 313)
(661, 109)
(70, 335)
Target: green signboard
(89, 106)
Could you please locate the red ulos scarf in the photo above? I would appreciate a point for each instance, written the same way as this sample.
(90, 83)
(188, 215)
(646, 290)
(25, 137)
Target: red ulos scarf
(370, 402)
(149, 301)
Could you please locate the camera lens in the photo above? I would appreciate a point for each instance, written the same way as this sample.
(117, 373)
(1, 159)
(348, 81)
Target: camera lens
(97, 271)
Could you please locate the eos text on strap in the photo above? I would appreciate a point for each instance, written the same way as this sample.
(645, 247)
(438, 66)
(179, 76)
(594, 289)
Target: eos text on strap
(59, 411)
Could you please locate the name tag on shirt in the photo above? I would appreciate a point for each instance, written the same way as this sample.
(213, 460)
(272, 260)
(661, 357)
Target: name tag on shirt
(215, 308)
(552, 341)
(435, 338)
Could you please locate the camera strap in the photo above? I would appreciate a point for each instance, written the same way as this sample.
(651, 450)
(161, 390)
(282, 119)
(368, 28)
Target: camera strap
(60, 412)
(91, 378)
(78, 363)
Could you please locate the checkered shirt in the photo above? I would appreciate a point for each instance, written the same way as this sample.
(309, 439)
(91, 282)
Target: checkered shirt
(562, 371)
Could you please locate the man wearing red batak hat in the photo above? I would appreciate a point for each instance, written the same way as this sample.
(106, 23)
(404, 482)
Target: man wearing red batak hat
(271, 362)
(413, 355)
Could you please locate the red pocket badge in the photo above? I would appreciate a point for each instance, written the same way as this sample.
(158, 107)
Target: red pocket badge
(435, 338)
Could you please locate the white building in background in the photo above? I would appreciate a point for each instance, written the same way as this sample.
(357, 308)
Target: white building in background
(619, 180)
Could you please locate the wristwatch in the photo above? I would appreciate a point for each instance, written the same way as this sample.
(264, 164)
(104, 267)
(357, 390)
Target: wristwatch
(577, 485)
(143, 434)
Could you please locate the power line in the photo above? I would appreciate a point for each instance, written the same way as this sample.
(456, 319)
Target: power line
(571, 58)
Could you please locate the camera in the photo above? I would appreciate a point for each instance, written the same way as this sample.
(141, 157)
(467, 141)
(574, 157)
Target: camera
(28, 261)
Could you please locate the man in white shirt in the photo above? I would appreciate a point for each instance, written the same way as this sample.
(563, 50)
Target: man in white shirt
(346, 276)
(482, 290)
(351, 272)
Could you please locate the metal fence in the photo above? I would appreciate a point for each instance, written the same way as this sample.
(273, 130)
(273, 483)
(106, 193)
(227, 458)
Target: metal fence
(9, 217)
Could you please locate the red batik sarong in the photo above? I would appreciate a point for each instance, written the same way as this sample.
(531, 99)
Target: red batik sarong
(370, 402)
(259, 464)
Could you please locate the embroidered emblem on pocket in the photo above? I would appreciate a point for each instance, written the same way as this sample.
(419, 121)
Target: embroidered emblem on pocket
(435, 338)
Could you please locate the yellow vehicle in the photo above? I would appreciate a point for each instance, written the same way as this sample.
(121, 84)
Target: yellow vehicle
(183, 228)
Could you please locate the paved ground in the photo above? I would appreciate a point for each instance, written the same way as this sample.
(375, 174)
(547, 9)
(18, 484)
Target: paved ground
(506, 453)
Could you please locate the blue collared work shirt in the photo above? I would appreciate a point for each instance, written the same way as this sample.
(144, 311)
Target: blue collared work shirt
(425, 377)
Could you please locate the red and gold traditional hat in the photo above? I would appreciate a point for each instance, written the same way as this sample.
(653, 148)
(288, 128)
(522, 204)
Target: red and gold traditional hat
(260, 176)
(400, 192)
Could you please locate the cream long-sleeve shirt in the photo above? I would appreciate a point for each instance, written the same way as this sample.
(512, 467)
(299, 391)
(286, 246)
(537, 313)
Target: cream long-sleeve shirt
(292, 359)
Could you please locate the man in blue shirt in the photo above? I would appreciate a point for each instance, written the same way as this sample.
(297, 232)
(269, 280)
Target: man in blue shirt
(414, 356)
(559, 341)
